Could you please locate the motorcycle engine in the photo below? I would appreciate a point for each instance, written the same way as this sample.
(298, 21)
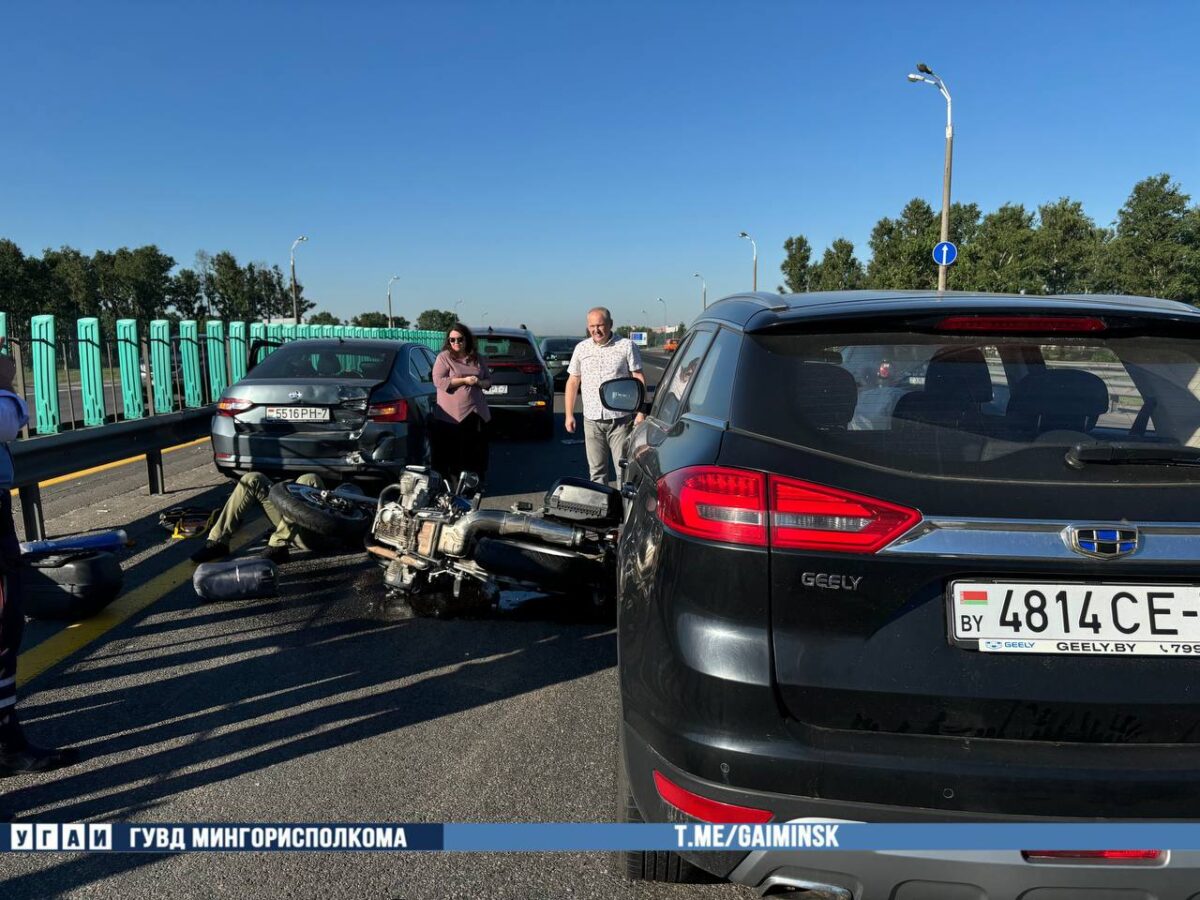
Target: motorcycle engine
(410, 503)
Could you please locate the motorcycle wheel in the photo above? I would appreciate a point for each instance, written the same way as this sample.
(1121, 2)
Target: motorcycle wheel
(308, 508)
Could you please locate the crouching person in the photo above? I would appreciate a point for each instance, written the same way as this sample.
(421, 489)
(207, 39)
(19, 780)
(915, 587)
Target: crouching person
(253, 489)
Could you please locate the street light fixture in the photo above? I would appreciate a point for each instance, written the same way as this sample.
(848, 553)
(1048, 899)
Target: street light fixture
(743, 234)
(703, 289)
(390, 280)
(295, 296)
(927, 77)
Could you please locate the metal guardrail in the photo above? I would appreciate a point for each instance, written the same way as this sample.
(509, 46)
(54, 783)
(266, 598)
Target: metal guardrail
(39, 459)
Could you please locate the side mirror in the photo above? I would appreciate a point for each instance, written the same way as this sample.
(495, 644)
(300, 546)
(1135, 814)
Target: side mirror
(624, 395)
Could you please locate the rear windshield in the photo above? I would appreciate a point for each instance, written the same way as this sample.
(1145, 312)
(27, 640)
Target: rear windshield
(988, 407)
(307, 362)
(506, 349)
(559, 346)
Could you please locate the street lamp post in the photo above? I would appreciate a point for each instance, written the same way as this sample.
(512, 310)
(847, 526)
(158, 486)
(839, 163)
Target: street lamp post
(457, 304)
(743, 234)
(664, 303)
(295, 296)
(926, 76)
(390, 280)
(703, 289)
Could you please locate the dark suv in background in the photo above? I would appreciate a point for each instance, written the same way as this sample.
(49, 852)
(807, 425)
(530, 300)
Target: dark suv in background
(980, 604)
(522, 389)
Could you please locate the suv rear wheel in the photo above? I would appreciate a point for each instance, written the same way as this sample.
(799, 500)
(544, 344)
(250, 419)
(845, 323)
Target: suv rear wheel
(649, 865)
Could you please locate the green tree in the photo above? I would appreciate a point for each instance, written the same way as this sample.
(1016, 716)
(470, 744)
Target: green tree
(796, 265)
(133, 283)
(1067, 248)
(1001, 257)
(902, 248)
(370, 320)
(436, 320)
(324, 318)
(229, 290)
(399, 322)
(14, 289)
(186, 295)
(1156, 248)
(74, 291)
(838, 270)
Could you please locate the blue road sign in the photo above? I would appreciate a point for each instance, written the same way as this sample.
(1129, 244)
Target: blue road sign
(945, 253)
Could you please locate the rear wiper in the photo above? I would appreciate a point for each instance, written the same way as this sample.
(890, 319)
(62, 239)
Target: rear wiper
(1132, 454)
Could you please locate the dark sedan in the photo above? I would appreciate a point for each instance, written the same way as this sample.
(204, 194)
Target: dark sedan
(344, 409)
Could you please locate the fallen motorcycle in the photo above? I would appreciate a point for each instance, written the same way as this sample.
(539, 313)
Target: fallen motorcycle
(445, 556)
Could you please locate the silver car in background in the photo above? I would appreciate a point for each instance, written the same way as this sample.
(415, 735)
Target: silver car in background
(349, 410)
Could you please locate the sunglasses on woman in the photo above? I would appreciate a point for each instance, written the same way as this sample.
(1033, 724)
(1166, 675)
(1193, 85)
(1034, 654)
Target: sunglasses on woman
(457, 340)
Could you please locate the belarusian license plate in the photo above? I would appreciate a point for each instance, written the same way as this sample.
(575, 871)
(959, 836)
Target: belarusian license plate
(497, 389)
(1087, 619)
(297, 413)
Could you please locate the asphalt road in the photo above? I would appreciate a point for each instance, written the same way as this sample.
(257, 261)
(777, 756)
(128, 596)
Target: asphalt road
(320, 706)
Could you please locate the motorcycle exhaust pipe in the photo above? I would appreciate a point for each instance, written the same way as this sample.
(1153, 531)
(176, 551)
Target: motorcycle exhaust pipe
(458, 537)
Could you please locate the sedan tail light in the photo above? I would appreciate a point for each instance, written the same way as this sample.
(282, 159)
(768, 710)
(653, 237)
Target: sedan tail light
(524, 368)
(736, 506)
(231, 406)
(389, 411)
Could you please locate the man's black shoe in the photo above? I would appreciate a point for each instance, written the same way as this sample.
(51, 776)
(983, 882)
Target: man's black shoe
(277, 555)
(32, 759)
(210, 551)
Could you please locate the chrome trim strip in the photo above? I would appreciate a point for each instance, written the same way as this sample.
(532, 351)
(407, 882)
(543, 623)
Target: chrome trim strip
(972, 538)
(705, 420)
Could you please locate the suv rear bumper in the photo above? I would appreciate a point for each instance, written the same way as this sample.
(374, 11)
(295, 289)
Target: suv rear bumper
(964, 875)
(866, 874)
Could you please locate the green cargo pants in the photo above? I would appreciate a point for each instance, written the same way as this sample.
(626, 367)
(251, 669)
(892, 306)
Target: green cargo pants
(252, 488)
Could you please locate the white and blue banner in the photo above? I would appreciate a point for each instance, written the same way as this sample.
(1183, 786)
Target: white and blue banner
(118, 837)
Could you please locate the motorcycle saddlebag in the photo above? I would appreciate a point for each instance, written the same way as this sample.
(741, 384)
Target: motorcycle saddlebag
(71, 585)
(584, 503)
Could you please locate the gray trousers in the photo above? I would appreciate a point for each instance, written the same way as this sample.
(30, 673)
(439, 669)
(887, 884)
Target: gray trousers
(603, 439)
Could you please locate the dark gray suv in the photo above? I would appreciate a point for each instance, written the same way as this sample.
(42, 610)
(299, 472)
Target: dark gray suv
(981, 606)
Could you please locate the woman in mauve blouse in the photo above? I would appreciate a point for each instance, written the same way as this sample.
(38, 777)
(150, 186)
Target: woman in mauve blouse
(459, 435)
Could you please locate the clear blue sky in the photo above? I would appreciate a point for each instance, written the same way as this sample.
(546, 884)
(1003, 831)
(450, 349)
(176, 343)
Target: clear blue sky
(535, 159)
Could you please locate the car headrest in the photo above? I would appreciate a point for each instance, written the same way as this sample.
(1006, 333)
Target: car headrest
(959, 370)
(1068, 399)
(826, 395)
(327, 364)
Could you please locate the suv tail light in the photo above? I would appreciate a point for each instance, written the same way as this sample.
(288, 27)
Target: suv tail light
(524, 368)
(231, 406)
(736, 506)
(715, 503)
(1021, 324)
(1098, 856)
(813, 517)
(705, 809)
(389, 411)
